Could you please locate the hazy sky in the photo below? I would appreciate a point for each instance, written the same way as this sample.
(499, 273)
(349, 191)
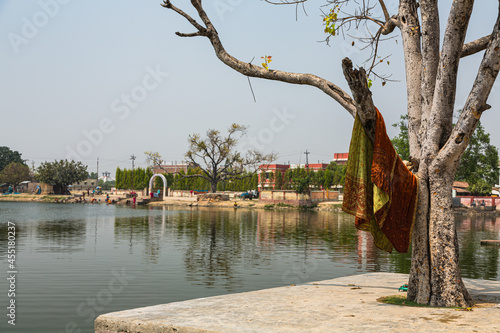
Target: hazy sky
(107, 79)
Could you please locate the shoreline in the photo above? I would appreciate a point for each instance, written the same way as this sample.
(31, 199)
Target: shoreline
(345, 304)
(176, 201)
(332, 206)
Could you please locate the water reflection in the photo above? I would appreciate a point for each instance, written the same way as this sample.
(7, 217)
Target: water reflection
(62, 236)
(220, 247)
(476, 261)
(66, 254)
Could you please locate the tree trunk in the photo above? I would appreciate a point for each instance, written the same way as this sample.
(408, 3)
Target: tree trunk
(435, 274)
(213, 186)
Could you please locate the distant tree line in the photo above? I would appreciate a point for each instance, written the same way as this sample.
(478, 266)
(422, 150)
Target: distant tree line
(303, 180)
(139, 177)
(178, 181)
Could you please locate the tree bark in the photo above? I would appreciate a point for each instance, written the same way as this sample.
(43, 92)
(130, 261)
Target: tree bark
(410, 32)
(447, 287)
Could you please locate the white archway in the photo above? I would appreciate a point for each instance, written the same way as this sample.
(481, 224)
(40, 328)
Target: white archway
(150, 188)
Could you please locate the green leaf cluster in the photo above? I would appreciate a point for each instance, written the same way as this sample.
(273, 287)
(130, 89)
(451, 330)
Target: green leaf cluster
(14, 173)
(8, 156)
(303, 180)
(479, 164)
(106, 185)
(401, 142)
(61, 173)
(330, 20)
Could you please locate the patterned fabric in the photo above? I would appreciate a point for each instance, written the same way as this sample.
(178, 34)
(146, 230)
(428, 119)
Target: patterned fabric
(389, 173)
(358, 188)
(374, 173)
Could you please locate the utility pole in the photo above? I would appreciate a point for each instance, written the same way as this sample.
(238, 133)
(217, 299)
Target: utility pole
(307, 158)
(97, 180)
(133, 157)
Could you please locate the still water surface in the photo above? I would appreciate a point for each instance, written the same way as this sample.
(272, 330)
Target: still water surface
(75, 262)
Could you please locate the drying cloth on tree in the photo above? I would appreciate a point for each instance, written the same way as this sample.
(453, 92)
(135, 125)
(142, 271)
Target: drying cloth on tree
(379, 190)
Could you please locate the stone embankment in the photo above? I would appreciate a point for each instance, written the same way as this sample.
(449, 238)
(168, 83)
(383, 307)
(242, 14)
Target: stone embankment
(347, 304)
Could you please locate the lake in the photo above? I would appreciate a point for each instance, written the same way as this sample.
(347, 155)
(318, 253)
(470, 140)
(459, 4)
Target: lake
(75, 262)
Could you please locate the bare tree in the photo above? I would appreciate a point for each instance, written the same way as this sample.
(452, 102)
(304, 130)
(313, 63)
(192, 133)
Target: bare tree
(217, 158)
(155, 161)
(436, 147)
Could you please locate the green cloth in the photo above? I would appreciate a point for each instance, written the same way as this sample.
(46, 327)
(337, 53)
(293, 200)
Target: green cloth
(361, 197)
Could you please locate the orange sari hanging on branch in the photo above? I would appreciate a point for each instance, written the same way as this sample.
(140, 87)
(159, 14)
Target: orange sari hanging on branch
(379, 190)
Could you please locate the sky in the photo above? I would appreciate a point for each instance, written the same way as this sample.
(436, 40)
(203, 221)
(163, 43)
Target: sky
(105, 80)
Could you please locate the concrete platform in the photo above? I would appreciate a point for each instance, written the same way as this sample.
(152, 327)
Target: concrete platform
(347, 304)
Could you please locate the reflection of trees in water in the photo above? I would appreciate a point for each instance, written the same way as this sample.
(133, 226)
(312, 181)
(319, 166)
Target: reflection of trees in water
(140, 230)
(334, 234)
(478, 261)
(217, 239)
(308, 231)
(62, 235)
(299, 228)
(220, 244)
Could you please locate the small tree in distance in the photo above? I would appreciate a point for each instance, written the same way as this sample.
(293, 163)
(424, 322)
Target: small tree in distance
(8, 156)
(61, 174)
(217, 158)
(14, 173)
(401, 142)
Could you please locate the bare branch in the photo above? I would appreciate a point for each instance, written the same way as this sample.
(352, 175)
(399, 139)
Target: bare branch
(362, 16)
(389, 25)
(193, 34)
(168, 4)
(362, 96)
(444, 96)
(452, 151)
(430, 61)
(286, 2)
(192, 176)
(475, 46)
(384, 9)
(326, 86)
(410, 31)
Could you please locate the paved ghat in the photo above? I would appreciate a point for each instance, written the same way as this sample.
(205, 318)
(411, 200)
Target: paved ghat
(347, 304)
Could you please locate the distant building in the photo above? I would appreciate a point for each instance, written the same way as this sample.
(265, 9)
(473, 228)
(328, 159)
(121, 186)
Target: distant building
(460, 188)
(340, 158)
(84, 185)
(106, 177)
(267, 173)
